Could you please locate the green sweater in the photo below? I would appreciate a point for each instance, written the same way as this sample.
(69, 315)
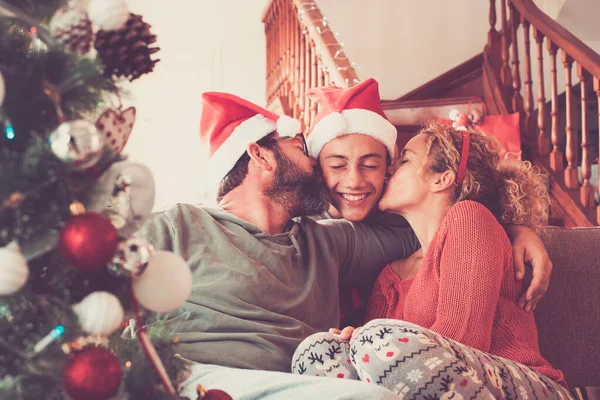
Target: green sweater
(256, 296)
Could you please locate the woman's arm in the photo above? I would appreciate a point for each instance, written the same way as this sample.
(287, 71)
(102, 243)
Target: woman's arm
(471, 269)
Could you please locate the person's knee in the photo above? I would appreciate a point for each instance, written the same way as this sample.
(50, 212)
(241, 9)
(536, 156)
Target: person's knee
(396, 323)
(389, 339)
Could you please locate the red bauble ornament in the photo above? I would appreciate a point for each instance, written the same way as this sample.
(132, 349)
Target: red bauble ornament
(88, 241)
(212, 394)
(93, 373)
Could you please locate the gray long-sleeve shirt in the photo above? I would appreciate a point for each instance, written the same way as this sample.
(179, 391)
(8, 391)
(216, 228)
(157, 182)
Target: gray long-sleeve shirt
(256, 296)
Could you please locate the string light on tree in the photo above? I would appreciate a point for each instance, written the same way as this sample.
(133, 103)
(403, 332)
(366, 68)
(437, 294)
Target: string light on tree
(2, 89)
(49, 338)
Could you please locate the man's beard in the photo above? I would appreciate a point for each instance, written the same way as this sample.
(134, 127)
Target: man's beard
(300, 192)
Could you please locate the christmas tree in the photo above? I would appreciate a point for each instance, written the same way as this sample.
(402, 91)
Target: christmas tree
(77, 285)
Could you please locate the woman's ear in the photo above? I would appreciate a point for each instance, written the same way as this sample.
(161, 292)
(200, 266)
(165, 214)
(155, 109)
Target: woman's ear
(261, 157)
(443, 181)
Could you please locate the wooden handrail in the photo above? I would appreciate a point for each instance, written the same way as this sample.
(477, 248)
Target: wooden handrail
(564, 39)
(340, 68)
(557, 142)
(302, 53)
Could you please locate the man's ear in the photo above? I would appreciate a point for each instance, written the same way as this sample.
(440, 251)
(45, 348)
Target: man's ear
(443, 181)
(261, 157)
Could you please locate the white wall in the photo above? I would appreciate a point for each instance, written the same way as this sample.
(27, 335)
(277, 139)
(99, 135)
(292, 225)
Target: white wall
(220, 45)
(406, 43)
(205, 45)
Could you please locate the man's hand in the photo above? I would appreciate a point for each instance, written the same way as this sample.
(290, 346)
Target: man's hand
(347, 334)
(528, 248)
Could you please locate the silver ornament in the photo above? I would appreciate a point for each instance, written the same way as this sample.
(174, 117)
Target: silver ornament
(77, 143)
(125, 194)
(131, 257)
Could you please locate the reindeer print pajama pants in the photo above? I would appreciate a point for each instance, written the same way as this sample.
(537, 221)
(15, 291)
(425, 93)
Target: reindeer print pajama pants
(416, 363)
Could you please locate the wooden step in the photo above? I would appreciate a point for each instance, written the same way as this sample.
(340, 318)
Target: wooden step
(419, 112)
(464, 80)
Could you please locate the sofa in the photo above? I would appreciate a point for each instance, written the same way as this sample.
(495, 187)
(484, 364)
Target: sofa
(568, 318)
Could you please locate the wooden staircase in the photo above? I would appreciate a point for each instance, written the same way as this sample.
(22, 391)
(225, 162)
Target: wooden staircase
(559, 131)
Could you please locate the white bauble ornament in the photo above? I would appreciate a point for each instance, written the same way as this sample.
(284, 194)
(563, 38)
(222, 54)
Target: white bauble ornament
(13, 269)
(99, 313)
(108, 15)
(165, 284)
(2, 89)
(73, 28)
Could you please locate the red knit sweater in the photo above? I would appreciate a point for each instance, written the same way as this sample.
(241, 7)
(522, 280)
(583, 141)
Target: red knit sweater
(466, 290)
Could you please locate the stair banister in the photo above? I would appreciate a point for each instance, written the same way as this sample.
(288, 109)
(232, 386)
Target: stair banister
(302, 53)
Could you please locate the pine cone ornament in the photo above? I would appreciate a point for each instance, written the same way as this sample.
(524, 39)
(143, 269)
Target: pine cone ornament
(72, 28)
(126, 52)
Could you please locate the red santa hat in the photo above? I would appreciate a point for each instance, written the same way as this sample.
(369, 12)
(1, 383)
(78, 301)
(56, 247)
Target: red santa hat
(229, 124)
(356, 109)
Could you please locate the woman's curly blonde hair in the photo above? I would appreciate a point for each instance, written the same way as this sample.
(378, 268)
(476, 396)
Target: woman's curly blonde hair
(513, 190)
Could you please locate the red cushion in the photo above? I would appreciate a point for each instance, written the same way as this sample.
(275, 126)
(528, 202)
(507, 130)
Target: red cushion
(505, 127)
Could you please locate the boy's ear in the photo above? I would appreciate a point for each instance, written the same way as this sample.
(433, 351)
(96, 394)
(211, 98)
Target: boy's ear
(443, 181)
(261, 157)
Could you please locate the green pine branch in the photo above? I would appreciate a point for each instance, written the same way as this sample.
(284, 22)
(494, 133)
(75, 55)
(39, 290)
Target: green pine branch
(36, 190)
(40, 10)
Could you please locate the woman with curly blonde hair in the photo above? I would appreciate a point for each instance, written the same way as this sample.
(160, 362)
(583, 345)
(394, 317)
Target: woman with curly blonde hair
(450, 326)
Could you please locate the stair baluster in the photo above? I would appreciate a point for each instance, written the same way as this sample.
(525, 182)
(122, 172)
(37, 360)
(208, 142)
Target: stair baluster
(571, 178)
(530, 132)
(289, 65)
(313, 79)
(492, 33)
(586, 193)
(307, 68)
(290, 44)
(296, 67)
(556, 156)
(543, 145)
(597, 90)
(277, 55)
(505, 74)
(269, 39)
(302, 76)
(517, 99)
